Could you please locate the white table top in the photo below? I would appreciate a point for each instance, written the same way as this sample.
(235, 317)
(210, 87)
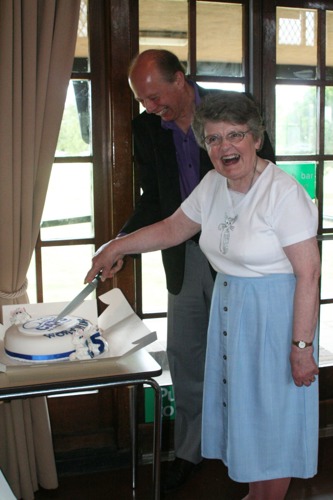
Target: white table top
(37, 379)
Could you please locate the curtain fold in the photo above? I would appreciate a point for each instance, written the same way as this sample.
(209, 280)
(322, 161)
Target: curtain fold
(37, 43)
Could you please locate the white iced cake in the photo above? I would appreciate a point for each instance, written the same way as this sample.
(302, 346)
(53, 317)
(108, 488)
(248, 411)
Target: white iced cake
(45, 339)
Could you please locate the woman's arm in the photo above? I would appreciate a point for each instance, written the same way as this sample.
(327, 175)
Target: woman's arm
(304, 257)
(169, 232)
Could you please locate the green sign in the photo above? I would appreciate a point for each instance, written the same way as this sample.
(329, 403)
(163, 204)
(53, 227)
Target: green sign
(168, 404)
(304, 173)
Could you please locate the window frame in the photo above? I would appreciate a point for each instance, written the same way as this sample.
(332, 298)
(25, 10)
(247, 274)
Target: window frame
(113, 107)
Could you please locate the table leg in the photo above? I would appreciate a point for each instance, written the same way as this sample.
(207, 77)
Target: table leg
(133, 424)
(157, 433)
(157, 439)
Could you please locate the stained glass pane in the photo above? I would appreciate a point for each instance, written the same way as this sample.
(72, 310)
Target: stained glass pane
(327, 265)
(75, 135)
(328, 197)
(325, 335)
(296, 43)
(329, 45)
(329, 120)
(81, 62)
(64, 281)
(296, 120)
(163, 25)
(216, 24)
(154, 291)
(68, 210)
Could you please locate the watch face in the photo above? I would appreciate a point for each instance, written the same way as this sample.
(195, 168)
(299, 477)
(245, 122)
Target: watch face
(301, 344)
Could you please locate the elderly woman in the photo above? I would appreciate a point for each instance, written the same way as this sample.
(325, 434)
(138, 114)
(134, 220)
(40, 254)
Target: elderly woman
(258, 230)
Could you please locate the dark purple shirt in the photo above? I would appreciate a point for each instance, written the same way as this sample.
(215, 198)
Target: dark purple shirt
(187, 152)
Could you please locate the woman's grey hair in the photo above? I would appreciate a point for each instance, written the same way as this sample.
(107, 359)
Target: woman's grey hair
(230, 107)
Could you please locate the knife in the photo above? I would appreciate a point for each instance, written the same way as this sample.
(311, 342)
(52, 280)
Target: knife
(80, 297)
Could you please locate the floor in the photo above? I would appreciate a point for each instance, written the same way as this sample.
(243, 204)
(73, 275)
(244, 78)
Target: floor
(210, 482)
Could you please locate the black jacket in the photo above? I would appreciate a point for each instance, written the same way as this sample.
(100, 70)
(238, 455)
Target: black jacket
(155, 157)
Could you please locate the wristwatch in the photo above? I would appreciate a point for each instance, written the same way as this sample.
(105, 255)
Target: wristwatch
(301, 344)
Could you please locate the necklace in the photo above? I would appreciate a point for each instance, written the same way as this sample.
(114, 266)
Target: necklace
(252, 179)
(228, 225)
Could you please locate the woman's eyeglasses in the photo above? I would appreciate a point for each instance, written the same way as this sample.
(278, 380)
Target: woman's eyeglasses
(232, 137)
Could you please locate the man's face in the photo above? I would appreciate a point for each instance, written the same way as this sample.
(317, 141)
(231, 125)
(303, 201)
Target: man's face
(157, 95)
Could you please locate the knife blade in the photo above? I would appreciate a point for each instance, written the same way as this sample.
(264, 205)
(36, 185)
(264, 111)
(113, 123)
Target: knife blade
(80, 297)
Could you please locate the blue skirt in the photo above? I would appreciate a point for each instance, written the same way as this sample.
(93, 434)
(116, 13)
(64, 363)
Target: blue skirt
(255, 418)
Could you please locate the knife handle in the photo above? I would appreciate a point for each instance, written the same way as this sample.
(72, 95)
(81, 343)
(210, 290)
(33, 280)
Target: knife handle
(97, 278)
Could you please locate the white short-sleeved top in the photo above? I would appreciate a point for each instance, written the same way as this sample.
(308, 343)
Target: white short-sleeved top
(245, 237)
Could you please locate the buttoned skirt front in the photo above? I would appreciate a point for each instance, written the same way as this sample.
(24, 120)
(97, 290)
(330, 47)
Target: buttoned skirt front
(255, 418)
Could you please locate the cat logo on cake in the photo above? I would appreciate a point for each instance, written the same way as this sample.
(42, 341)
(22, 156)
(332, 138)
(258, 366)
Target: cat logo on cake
(45, 339)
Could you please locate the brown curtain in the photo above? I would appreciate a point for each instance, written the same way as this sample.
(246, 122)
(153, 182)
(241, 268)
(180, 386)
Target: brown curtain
(37, 43)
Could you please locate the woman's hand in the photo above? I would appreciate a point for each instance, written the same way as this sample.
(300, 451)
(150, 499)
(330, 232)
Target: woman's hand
(164, 234)
(303, 366)
(107, 259)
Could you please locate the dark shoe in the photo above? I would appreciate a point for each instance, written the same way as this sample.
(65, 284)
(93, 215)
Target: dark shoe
(178, 474)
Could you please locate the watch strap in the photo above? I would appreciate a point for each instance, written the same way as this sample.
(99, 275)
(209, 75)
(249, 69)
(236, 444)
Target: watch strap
(301, 343)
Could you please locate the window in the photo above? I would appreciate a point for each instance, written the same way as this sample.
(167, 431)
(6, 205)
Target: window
(209, 61)
(303, 128)
(78, 213)
(66, 241)
(295, 89)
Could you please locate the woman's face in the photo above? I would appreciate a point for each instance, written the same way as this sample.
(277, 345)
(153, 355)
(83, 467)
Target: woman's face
(234, 156)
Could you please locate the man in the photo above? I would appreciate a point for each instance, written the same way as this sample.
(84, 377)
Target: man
(171, 164)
